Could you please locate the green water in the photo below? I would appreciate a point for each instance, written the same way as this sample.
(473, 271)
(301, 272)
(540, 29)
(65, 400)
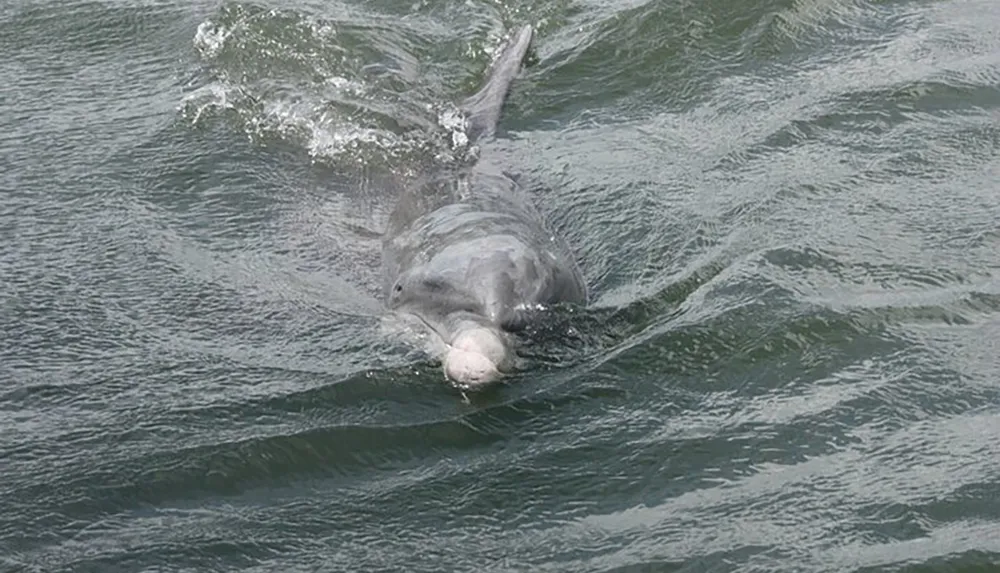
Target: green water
(787, 212)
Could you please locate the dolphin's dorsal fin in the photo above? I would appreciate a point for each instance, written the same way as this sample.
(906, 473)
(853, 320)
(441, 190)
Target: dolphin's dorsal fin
(483, 108)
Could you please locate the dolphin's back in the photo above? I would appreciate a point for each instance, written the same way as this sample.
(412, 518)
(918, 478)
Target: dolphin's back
(467, 253)
(483, 108)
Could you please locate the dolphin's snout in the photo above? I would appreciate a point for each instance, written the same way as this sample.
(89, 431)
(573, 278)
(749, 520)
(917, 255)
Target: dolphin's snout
(469, 369)
(474, 357)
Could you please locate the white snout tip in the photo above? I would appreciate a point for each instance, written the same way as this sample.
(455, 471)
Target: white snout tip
(469, 369)
(473, 358)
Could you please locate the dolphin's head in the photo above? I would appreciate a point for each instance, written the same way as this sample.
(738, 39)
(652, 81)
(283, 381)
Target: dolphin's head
(474, 352)
(474, 348)
(473, 293)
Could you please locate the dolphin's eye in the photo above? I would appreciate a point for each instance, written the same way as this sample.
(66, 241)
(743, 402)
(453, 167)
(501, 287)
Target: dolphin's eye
(398, 288)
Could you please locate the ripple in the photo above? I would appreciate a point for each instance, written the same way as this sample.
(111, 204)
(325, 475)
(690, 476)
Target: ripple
(786, 212)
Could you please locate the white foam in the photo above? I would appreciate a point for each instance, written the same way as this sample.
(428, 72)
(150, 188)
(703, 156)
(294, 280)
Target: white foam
(319, 116)
(209, 38)
(214, 96)
(456, 123)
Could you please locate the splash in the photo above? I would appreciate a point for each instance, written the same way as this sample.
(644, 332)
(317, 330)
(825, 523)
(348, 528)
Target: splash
(209, 39)
(456, 125)
(284, 76)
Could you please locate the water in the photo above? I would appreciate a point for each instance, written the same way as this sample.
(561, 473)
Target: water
(786, 211)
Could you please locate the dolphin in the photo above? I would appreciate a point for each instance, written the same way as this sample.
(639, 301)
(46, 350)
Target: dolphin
(467, 254)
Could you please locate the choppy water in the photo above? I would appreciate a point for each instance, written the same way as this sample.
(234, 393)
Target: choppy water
(787, 212)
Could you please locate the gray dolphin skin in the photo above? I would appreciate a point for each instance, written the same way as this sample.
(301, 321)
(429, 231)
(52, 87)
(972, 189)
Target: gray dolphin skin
(467, 254)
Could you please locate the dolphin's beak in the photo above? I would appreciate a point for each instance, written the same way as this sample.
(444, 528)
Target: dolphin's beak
(469, 369)
(474, 357)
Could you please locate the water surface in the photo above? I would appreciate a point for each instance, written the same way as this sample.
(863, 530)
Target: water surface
(786, 211)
